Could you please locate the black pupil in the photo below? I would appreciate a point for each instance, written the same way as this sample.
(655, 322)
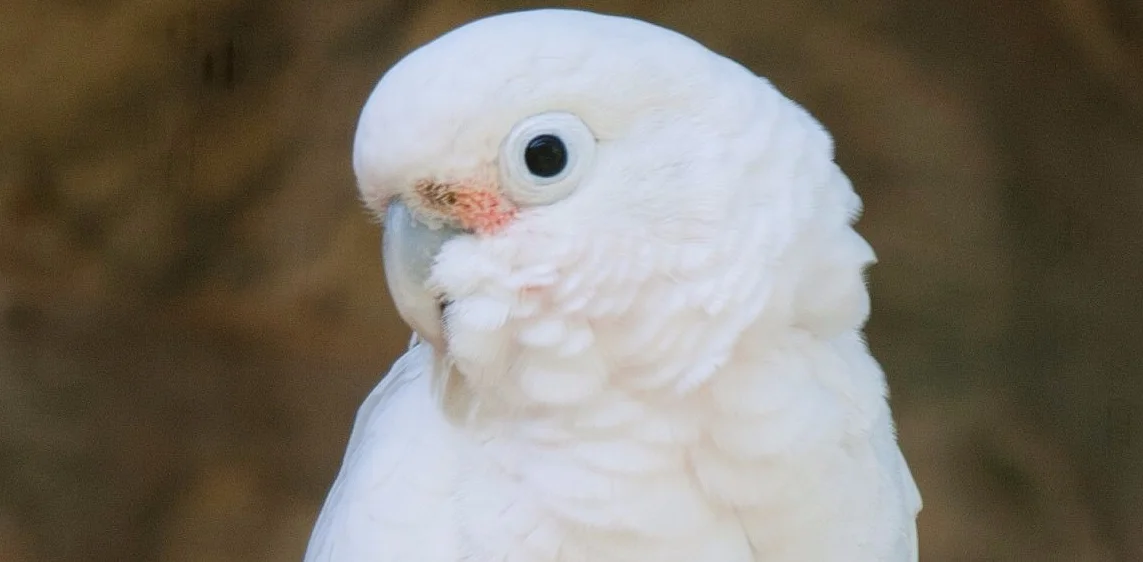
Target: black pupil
(546, 156)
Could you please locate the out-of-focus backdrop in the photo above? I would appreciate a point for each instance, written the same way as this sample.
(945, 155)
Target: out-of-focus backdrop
(192, 304)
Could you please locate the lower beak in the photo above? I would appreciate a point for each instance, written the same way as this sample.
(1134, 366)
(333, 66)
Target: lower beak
(409, 250)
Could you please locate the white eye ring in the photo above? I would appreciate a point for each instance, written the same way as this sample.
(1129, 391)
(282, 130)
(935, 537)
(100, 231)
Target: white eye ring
(520, 180)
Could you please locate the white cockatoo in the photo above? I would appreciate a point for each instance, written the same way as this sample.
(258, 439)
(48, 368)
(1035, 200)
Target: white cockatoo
(638, 302)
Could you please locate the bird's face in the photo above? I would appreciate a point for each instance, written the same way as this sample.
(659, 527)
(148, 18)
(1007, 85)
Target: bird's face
(562, 188)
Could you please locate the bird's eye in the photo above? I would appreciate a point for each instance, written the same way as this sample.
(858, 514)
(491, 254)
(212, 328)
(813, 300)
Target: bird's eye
(544, 157)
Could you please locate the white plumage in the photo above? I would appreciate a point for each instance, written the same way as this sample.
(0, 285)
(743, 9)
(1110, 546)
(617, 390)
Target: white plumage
(652, 354)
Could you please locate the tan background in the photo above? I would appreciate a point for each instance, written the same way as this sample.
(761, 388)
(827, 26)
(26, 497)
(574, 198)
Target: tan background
(191, 300)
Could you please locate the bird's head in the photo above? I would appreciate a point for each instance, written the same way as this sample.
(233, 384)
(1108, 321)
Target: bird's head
(594, 197)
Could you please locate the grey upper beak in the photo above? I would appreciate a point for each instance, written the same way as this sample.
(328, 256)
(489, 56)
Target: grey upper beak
(409, 250)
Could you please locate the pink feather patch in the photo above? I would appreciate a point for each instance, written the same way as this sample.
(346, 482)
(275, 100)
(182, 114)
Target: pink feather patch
(481, 211)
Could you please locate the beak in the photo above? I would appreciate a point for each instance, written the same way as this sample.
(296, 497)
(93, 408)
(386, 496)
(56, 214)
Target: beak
(409, 250)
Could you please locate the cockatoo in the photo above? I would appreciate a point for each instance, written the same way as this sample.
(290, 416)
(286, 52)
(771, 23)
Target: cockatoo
(638, 302)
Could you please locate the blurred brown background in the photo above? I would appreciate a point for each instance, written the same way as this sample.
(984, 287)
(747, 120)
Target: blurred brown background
(192, 306)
